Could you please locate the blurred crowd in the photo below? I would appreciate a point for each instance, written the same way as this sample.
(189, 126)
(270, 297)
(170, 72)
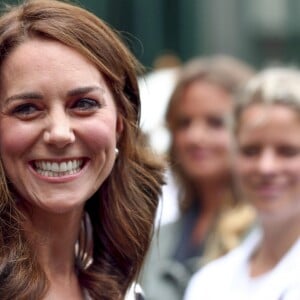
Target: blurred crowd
(228, 223)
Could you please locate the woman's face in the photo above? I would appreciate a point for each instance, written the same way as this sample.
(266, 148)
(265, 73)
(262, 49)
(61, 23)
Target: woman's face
(58, 127)
(200, 138)
(268, 159)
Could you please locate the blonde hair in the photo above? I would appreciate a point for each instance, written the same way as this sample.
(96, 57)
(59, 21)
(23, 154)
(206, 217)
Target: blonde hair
(274, 85)
(232, 225)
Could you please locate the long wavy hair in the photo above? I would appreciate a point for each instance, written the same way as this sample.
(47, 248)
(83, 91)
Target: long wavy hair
(123, 209)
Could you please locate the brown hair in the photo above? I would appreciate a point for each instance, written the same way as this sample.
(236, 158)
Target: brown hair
(123, 209)
(223, 71)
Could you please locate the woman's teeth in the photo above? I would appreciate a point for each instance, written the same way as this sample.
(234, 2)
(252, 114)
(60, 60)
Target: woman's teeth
(56, 169)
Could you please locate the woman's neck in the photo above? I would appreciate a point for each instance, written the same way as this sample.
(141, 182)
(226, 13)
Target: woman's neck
(212, 197)
(278, 238)
(53, 237)
(65, 288)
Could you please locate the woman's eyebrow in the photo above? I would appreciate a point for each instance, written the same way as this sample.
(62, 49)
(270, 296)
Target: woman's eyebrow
(84, 90)
(23, 96)
(38, 96)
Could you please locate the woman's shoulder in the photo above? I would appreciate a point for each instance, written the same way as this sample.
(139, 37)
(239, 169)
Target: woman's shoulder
(221, 270)
(237, 255)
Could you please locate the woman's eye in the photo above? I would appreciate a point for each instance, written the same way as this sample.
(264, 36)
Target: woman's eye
(288, 151)
(86, 104)
(183, 123)
(216, 122)
(25, 111)
(249, 151)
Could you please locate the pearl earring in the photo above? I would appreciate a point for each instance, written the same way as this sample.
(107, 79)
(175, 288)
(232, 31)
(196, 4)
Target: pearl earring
(116, 151)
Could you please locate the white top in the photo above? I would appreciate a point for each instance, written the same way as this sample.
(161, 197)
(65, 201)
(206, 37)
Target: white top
(168, 206)
(227, 278)
(155, 91)
(130, 295)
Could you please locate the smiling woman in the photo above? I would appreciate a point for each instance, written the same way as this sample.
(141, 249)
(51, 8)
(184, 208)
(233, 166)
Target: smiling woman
(58, 126)
(79, 189)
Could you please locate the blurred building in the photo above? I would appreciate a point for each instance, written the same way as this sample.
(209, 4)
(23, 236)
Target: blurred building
(258, 31)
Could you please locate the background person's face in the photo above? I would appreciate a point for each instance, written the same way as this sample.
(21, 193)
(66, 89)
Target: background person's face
(201, 140)
(268, 159)
(58, 127)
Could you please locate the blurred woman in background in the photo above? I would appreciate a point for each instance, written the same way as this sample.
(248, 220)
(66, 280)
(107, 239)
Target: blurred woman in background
(200, 163)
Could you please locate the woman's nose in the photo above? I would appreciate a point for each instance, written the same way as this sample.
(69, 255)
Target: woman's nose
(196, 132)
(59, 131)
(267, 162)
